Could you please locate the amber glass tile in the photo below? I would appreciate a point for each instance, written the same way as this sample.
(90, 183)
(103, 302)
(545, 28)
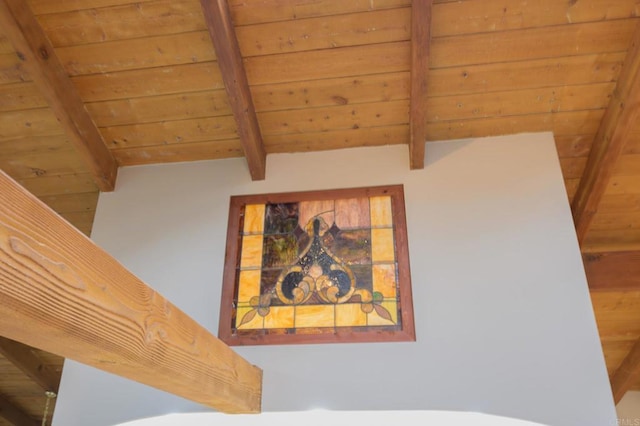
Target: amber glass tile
(384, 279)
(391, 307)
(255, 322)
(314, 316)
(251, 251)
(279, 317)
(380, 211)
(248, 285)
(350, 314)
(352, 213)
(382, 249)
(254, 219)
(310, 209)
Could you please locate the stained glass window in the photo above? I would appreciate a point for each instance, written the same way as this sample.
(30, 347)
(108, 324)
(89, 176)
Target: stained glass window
(317, 266)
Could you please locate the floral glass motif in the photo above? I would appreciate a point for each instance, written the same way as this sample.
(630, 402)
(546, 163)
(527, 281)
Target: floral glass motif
(317, 266)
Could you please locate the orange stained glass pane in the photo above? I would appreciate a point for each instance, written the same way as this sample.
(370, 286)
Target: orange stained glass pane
(247, 319)
(251, 251)
(381, 211)
(382, 249)
(279, 317)
(254, 218)
(353, 213)
(307, 210)
(349, 315)
(384, 279)
(248, 285)
(314, 316)
(391, 307)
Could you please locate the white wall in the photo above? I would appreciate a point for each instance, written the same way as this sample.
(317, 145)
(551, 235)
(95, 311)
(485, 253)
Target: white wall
(629, 409)
(503, 317)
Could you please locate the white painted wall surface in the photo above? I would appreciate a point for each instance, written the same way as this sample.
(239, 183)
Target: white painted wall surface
(503, 316)
(628, 409)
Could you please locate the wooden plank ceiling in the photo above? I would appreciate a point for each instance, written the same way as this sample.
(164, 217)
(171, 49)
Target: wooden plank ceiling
(330, 74)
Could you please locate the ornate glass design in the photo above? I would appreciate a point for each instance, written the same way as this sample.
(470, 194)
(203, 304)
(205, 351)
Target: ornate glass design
(317, 266)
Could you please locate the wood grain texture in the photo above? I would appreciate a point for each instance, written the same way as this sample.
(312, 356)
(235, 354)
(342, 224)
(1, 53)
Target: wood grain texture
(41, 61)
(15, 415)
(27, 361)
(622, 113)
(218, 19)
(628, 374)
(613, 271)
(63, 294)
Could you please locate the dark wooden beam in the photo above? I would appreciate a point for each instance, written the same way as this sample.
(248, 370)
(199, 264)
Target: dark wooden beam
(15, 415)
(224, 39)
(613, 271)
(61, 293)
(628, 374)
(420, 47)
(622, 113)
(22, 356)
(33, 47)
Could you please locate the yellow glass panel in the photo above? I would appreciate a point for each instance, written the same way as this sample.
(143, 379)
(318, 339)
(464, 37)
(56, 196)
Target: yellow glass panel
(248, 285)
(382, 245)
(251, 251)
(374, 318)
(254, 218)
(384, 280)
(255, 322)
(381, 211)
(279, 317)
(349, 315)
(314, 316)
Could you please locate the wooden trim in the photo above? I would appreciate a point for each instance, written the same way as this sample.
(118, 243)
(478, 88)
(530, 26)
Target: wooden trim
(404, 331)
(61, 293)
(218, 19)
(613, 271)
(15, 415)
(420, 48)
(621, 115)
(41, 62)
(22, 356)
(627, 375)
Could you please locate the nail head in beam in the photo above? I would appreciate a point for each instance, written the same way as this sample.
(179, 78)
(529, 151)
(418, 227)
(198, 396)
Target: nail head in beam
(61, 293)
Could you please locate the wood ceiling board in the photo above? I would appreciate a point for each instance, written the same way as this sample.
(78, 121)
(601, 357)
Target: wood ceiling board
(69, 203)
(33, 145)
(623, 184)
(59, 184)
(573, 146)
(15, 415)
(11, 69)
(195, 151)
(627, 374)
(616, 221)
(60, 162)
(100, 324)
(149, 82)
(627, 165)
(20, 96)
(41, 7)
(150, 109)
(615, 352)
(30, 364)
(29, 123)
(611, 240)
(40, 60)
(614, 272)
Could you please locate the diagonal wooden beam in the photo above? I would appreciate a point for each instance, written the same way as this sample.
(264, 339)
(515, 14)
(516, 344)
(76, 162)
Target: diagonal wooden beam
(613, 271)
(61, 293)
(35, 50)
(622, 112)
(15, 415)
(218, 19)
(628, 374)
(420, 47)
(22, 356)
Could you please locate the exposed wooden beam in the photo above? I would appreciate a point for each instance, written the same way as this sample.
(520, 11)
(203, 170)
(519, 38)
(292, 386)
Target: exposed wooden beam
(613, 271)
(61, 293)
(224, 39)
(420, 47)
(41, 62)
(22, 356)
(622, 112)
(14, 414)
(627, 375)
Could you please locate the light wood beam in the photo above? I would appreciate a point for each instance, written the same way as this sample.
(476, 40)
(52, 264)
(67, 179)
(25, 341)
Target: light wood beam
(224, 39)
(627, 375)
(420, 47)
(61, 293)
(23, 357)
(15, 415)
(613, 271)
(622, 112)
(36, 52)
